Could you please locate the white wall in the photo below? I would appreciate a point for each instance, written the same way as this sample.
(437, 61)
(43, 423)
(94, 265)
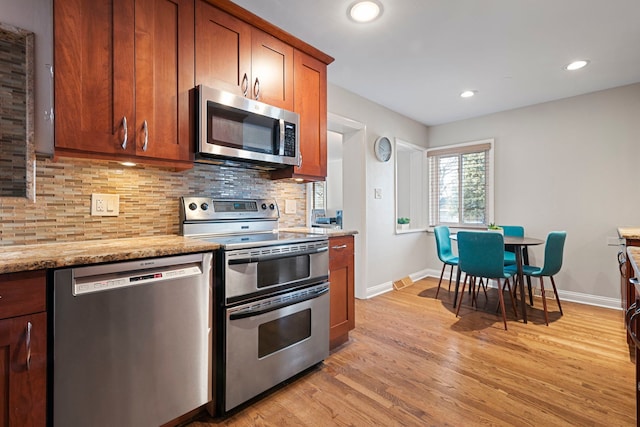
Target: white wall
(37, 17)
(389, 256)
(566, 165)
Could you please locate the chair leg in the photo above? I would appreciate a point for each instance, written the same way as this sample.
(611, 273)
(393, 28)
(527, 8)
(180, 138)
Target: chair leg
(555, 291)
(450, 276)
(464, 283)
(544, 301)
(440, 281)
(525, 256)
(504, 313)
(513, 301)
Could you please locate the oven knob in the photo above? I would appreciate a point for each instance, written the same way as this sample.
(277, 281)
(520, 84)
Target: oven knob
(272, 206)
(264, 206)
(193, 206)
(204, 206)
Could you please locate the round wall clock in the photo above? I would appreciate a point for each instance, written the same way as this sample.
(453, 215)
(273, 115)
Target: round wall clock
(382, 148)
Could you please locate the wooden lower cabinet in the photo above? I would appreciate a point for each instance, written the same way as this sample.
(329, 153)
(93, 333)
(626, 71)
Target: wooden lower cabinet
(23, 349)
(341, 276)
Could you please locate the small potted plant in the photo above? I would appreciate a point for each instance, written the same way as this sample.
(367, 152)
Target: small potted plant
(494, 228)
(403, 223)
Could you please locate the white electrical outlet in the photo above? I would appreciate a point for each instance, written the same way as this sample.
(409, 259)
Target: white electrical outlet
(105, 204)
(290, 206)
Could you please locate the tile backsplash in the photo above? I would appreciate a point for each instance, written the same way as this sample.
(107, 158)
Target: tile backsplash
(149, 199)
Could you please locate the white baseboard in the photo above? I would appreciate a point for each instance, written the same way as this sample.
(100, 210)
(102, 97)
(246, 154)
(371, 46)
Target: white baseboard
(578, 297)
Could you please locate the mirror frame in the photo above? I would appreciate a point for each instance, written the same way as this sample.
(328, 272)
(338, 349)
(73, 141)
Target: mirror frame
(30, 156)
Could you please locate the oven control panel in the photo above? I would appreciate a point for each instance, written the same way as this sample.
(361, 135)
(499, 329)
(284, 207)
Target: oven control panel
(208, 209)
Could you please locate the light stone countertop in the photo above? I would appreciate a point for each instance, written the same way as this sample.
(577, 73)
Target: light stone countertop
(17, 258)
(331, 232)
(630, 233)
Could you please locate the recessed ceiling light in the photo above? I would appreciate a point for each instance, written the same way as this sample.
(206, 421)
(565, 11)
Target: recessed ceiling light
(576, 65)
(468, 93)
(365, 11)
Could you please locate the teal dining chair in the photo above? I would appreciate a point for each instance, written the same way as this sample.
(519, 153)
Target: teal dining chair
(553, 254)
(481, 254)
(515, 231)
(445, 253)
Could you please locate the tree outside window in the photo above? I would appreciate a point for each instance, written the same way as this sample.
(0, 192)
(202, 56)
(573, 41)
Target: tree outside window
(461, 188)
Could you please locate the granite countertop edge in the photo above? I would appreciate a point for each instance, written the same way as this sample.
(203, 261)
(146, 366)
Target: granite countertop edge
(16, 258)
(331, 232)
(629, 233)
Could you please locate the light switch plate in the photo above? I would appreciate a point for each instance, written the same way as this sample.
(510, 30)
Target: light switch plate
(377, 193)
(105, 204)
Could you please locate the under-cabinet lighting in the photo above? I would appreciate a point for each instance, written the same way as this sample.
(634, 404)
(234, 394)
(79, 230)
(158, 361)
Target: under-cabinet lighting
(127, 164)
(365, 11)
(468, 93)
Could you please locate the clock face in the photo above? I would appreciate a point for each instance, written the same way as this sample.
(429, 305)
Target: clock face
(382, 149)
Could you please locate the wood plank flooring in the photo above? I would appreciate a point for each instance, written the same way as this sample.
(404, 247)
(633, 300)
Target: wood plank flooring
(411, 362)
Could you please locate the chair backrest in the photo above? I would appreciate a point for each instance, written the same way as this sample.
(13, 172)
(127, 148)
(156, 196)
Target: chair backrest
(443, 242)
(513, 230)
(553, 251)
(481, 253)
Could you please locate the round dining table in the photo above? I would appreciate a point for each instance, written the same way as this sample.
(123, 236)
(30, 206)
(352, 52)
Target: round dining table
(518, 244)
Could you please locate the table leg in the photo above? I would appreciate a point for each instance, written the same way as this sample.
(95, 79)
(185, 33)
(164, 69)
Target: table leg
(455, 294)
(523, 302)
(525, 253)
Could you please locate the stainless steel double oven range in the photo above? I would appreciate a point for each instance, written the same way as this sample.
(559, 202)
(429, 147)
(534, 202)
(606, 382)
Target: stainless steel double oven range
(271, 296)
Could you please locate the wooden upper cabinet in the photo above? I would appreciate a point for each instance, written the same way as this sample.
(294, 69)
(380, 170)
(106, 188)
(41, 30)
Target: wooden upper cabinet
(223, 50)
(310, 101)
(235, 56)
(119, 64)
(272, 70)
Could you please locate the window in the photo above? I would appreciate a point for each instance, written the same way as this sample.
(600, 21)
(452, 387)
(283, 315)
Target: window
(461, 184)
(411, 187)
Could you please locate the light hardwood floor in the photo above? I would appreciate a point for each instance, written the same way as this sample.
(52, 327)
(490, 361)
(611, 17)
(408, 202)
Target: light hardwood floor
(411, 362)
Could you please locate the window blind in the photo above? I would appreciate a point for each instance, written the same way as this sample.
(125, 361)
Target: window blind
(461, 184)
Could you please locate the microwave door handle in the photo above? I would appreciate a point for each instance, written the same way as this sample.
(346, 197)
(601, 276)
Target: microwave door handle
(282, 138)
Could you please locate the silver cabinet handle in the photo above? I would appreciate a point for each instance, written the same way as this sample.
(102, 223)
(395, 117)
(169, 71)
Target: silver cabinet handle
(630, 311)
(145, 128)
(28, 344)
(256, 89)
(633, 336)
(125, 137)
(245, 85)
(339, 247)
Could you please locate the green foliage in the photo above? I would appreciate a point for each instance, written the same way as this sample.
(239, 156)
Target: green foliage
(403, 220)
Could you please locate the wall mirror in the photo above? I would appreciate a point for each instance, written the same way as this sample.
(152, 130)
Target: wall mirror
(17, 148)
(411, 187)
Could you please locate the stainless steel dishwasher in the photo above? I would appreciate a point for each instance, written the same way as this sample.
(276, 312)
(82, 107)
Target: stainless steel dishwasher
(131, 341)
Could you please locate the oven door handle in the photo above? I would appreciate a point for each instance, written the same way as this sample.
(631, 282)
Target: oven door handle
(253, 259)
(258, 311)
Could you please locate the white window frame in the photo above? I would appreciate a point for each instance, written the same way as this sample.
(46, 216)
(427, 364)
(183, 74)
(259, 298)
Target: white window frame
(490, 183)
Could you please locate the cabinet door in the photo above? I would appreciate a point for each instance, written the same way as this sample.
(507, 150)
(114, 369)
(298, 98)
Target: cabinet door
(94, 74)
(164, 46)
(310, 101)
(272, 70)
(223, 50)
(341, 276)
(23, 344)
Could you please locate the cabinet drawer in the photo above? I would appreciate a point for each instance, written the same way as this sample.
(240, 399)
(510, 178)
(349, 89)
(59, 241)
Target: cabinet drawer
(340, 250)
(22, 293)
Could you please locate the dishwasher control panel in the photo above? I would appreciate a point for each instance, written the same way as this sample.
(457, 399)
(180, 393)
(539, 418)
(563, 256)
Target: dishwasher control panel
(91, 284)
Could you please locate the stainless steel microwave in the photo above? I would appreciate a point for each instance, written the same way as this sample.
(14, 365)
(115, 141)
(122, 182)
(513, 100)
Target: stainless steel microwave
(237, 131)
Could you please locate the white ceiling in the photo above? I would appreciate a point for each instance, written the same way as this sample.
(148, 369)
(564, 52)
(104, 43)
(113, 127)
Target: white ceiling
(420, 54)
